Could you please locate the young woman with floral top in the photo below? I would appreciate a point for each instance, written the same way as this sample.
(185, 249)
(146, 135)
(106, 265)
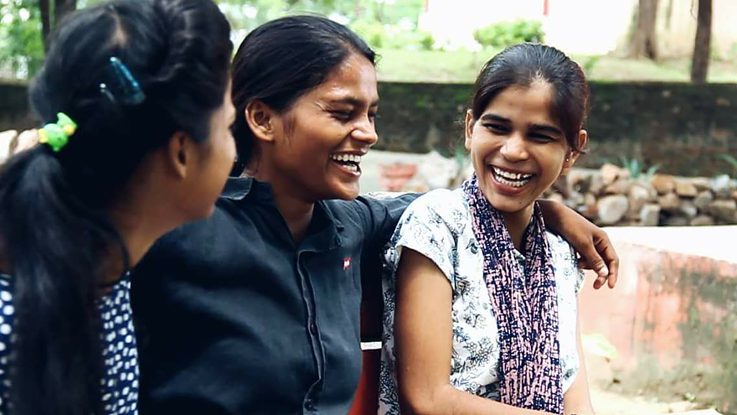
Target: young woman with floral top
(480, 299)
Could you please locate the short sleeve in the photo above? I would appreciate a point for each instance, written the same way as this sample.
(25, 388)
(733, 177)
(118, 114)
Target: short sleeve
(380, 214)
(6, 323)
(566, 263)
(579, 281)
(426, 227)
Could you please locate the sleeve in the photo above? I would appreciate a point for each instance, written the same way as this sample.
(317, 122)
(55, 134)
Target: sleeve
(579, 280)
(6, 333)
(379, 214)
(426, 228)
(565, 262)
(575, 270)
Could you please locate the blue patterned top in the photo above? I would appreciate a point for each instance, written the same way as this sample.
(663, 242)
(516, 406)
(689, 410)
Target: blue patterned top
(438, 226)
(120, 382)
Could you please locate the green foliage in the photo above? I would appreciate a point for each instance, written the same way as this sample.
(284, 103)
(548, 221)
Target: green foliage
(21, 45)
(379, 22)
(589, 63)
(731, 160)
(372, 32)
(426, 41)
(635, 169)
(380, 36)
(505, 34)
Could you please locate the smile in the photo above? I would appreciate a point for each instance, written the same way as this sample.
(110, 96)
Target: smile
(349, 162)
(511, 179)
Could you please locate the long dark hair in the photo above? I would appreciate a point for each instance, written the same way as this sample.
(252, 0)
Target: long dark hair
(525, 63)
(280, 61)
(54, 227)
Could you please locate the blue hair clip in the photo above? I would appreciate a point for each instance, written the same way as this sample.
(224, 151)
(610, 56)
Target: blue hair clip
(123, 88)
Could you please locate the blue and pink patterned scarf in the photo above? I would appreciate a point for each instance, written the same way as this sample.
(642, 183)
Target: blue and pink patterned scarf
(525, 306)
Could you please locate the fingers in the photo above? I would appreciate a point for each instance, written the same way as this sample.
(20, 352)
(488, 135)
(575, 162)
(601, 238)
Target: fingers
(609, 256)
(25, 140)
(602, 259)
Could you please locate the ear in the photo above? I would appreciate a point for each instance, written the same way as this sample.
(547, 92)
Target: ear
(179, 153)
(572, 155)
(469, 128)
(261, 119)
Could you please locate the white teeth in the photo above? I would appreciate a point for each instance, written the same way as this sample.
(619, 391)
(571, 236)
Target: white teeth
(511, 176)
(511, 179)
(354, 158)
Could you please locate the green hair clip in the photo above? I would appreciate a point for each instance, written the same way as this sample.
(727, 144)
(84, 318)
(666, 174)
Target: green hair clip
(57, 134)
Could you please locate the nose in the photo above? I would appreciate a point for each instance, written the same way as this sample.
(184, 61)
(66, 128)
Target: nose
(365, 132)
(514, 148)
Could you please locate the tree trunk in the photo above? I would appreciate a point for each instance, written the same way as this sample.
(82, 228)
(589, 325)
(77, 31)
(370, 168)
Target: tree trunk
(702, 43)
(43, 6)
(643, 44)
(63, 8)
(52, 12)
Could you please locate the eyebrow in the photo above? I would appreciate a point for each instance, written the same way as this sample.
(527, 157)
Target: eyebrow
(352, 101)
(537, 127)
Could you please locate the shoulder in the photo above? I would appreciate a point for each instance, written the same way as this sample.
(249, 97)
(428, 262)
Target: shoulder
(227, 216)
(564, 261)
(202, 243)
(432, 224)
(448, 207)
(373, 211)
(560, 250)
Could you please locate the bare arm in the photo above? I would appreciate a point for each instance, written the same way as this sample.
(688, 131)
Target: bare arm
(590, 241)
(577, 399)
(423, 329)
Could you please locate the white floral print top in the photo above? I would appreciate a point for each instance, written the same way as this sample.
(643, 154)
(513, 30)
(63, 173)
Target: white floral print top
(438, 226)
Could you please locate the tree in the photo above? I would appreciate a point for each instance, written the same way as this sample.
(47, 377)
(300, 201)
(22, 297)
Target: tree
(643, 41)
(21, 46)
(702, 43)
(52, 12)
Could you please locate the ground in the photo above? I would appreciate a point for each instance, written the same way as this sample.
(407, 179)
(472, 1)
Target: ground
(612, 403)
(463, 66)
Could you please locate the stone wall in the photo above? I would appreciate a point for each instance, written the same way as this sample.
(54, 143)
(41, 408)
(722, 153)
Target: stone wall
(15, 113)
(610, 197)
(680, 127)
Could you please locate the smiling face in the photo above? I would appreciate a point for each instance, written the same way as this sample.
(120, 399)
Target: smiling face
(318, 143)
(518, 150)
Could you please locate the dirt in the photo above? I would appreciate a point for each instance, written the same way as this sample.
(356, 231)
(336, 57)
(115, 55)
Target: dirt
(613, 403)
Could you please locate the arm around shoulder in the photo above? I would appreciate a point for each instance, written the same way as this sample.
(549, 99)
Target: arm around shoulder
(591, 242)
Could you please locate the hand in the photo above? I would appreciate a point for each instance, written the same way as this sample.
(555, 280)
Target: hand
(597, 253)
(595, 250)
(25, 140)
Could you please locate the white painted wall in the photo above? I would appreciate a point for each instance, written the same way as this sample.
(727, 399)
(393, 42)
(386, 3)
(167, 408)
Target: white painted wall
(582, 26)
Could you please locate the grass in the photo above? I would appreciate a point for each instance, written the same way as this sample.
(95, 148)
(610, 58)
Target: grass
(463, 66)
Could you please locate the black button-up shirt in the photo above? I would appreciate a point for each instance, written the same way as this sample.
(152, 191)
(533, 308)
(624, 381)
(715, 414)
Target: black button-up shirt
(235, 318)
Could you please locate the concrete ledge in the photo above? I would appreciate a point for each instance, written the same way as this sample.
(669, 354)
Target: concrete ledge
(672, 318)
